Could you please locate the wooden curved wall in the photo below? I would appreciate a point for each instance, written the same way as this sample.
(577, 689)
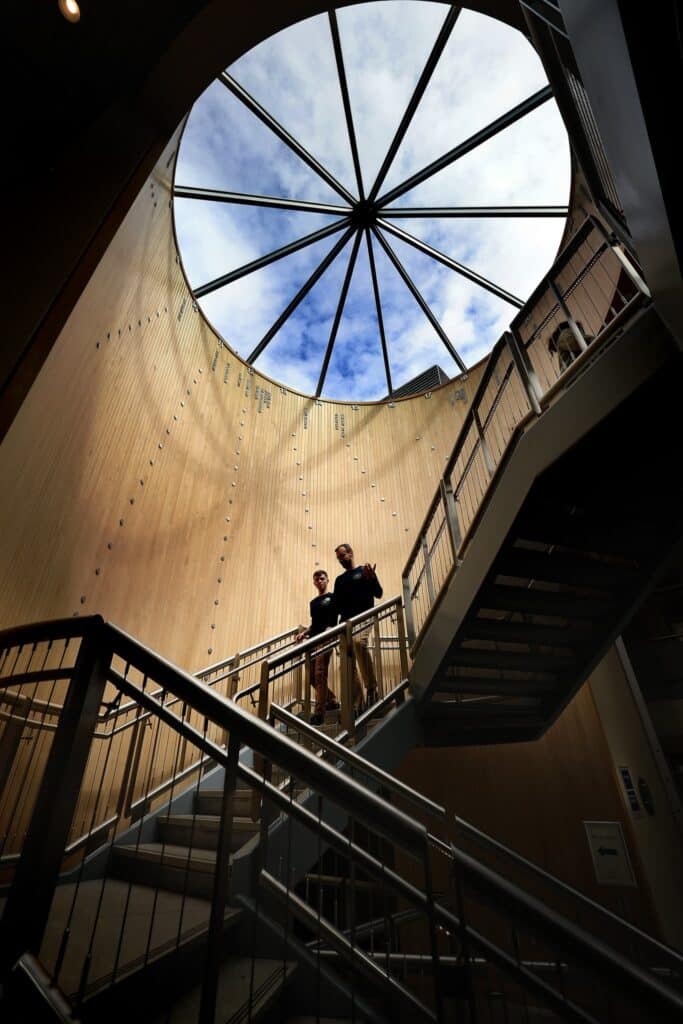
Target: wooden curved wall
(150, 476)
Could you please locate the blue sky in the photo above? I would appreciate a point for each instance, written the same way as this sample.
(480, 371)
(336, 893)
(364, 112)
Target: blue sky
(485, 70)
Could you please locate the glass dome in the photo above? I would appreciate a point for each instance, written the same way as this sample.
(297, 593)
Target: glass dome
(370, 192)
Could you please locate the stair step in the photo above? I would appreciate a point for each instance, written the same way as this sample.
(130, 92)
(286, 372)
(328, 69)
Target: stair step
(134, 916)
(578, 529)
(202, 830)
(503, 631)
(240, 996)
(168, 866)
(495, 686)
(517, 661)
(485, 710)
(557, 567)
(209, 801)
(551, 603)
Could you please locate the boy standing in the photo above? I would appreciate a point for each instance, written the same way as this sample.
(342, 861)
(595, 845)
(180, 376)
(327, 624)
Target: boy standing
(323, 616)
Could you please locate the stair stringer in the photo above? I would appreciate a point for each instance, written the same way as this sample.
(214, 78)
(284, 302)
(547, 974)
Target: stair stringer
(615, 375)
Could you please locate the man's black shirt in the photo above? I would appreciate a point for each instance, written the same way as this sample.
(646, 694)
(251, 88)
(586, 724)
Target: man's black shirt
(354, 593)
(323, 614)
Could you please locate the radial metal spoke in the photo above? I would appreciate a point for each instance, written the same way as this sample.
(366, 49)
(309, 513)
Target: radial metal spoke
(378, 304)
(413, 289)
(264, 261)
(255, 107)
(452, 264)
(473, 211)
(338, 314)
(244, 199)
(301, 294)
(418, 93)
(521, 110)
(341, 72)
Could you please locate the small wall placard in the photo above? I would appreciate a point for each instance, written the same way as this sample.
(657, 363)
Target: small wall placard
(609, 852)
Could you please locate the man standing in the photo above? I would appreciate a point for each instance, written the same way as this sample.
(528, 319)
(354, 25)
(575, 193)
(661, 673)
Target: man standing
(323, 615)
(355, 591)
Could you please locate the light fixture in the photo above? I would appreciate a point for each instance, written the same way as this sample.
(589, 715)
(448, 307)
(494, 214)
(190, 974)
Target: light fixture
(71, 10)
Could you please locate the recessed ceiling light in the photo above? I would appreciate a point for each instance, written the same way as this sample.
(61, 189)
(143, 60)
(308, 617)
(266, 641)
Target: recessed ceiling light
(70, 9)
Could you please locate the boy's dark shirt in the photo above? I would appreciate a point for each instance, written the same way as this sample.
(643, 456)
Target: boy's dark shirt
(354, 593)
(323, 614)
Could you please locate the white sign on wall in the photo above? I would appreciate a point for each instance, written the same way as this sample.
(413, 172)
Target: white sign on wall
(609, 852)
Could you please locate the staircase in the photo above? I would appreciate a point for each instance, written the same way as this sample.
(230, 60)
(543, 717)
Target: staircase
(586, 544)
(166, 841)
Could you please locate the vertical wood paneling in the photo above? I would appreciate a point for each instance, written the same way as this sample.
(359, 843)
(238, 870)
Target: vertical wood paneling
(151, 477)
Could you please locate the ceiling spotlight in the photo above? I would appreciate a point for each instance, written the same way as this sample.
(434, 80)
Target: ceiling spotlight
(70, 9)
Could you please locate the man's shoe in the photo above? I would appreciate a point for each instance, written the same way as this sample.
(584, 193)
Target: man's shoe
(316, 719)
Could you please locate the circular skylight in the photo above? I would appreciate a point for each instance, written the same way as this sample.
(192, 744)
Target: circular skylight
(372, 192)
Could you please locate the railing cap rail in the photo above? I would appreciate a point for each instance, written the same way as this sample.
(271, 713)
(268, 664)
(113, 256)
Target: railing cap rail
(50, 629)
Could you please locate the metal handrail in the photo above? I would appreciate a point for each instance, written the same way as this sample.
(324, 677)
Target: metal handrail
(382, 817)
(255, 734)
(313, 643)
(218, 665)
(354, 760)
(482, 837)
(537, 401)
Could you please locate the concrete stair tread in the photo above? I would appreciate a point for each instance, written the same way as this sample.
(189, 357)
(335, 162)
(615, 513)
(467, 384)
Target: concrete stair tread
(234, 986)
(172, 854)
(131, 913)
(210, 821)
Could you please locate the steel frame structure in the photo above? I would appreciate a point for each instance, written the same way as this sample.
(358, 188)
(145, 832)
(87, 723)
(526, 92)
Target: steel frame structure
(369, 212)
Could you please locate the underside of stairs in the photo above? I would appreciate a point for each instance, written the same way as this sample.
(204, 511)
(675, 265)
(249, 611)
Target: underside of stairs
(584, 548)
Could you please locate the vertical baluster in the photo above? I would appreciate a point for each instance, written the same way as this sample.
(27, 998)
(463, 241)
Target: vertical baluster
(426, 556)
(379, 661)
(346, 654)
(408, 609)
(525, 369)
(221, 889)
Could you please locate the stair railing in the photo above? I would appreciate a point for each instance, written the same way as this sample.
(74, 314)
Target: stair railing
(64, 905)
(65, 909)
(646, 951)
(369, 648)
(643, 949)
(592, 290)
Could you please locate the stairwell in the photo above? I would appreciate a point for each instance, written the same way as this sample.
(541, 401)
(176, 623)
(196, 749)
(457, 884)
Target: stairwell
(177, 899)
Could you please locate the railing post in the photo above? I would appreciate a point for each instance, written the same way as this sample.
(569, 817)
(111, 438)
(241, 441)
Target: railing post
(263, 690)
(30, 898)
(573, 326)
(451, 511)
(11, 739)
(626, 263)
(348, 721)
(408, 610)
(428, 570)
(297, 695)
(221, 889)
(379, 666)
(263, 715)
(308, 682)
(233, 681)
(402, 646)
(520, 358)
(490, 465)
